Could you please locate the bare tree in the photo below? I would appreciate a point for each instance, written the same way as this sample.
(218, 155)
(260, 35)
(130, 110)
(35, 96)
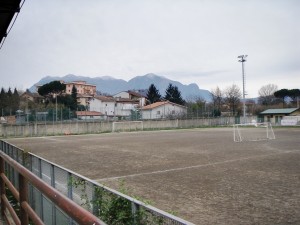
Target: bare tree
(196, 106)
(217, 99)
(266, 94)
(232, 97)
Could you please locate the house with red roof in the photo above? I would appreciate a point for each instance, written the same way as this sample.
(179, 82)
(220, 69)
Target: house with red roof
(88, 115)
(163, 110)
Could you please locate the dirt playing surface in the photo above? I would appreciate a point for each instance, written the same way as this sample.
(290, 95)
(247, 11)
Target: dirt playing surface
(200, 174)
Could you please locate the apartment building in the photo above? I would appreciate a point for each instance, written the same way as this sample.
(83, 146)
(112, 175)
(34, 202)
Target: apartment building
(82, 88)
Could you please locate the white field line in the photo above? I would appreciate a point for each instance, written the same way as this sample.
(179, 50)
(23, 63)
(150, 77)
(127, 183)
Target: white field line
(196, 166)
(52, 139)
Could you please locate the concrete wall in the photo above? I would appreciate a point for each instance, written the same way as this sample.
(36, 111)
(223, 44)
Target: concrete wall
(35, 129)
(87, 127)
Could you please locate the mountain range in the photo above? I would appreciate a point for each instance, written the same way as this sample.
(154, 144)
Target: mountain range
(110, 85)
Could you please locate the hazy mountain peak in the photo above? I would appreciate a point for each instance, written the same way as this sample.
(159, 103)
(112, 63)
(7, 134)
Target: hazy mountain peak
(152, 75)
(110, 85)
(108, 78)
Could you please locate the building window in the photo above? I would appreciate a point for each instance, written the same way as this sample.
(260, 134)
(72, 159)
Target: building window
(158, 113)
(173, 112)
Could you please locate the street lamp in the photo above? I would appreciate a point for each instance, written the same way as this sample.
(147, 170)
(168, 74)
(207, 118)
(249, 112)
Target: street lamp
(242, 59)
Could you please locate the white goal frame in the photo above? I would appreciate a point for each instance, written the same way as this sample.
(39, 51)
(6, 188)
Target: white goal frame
(119, 126)
(253, 132)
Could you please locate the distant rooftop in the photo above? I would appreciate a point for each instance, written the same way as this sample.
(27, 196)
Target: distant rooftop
(88, 113)
(157, 104)
(279, 111)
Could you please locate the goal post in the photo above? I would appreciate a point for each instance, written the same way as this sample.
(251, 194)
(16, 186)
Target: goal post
(119, 126)
(253, 132)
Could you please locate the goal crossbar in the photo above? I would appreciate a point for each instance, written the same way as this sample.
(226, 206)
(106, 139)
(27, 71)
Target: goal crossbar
(253, 132)
(119, 126)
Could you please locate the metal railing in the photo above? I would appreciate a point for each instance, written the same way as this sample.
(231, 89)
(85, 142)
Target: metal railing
(111, 206)
(79, 214)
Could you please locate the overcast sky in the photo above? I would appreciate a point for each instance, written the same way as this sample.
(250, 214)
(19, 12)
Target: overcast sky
(190, 41)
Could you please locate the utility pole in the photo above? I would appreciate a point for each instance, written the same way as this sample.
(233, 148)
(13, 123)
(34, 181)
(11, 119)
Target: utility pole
(55, 96)
(242, 60)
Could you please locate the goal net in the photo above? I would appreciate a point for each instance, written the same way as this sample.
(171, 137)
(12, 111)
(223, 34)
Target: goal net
(253, 132)
(127, 126)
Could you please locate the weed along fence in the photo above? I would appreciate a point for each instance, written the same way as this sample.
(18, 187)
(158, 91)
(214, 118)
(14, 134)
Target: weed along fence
(111, 206)
(90, 127)
(21, 184)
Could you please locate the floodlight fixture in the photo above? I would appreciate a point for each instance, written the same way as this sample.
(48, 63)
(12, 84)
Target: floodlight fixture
(242, 58)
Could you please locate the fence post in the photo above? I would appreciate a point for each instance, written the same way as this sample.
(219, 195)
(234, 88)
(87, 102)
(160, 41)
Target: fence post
(23, 190)
(2, 186)
(134, 211)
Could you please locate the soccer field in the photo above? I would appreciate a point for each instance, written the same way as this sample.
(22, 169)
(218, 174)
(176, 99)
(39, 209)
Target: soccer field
(200, 174)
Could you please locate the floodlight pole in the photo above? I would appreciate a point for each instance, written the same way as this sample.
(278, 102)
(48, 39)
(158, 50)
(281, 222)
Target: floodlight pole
(242, 60)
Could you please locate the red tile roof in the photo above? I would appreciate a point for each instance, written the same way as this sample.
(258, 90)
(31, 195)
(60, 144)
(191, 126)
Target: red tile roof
(157, 104)
(133, 93)
(154, 105)
(88, 113)
(128, 100)
(105, 98)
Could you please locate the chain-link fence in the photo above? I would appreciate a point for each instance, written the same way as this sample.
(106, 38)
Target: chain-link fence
(98, 126)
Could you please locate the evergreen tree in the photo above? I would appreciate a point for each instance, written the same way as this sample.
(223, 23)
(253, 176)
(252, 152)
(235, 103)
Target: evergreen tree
(294, 94)
(3, 101)
(9, 93)
(153, 94)
(15, 101)
(174, 95)
(52, 91)
(74, 98)
(282, 94)
(9, 101)
(54, 87)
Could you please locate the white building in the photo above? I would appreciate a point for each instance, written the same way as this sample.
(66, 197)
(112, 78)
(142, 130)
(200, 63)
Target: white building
(104, 104)
(162, 110)
(113, 107)
(84, 100)
(132, 96)
(125, 106)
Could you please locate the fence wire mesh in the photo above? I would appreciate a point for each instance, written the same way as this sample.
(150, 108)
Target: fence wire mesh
(109, 205)
(97, 126)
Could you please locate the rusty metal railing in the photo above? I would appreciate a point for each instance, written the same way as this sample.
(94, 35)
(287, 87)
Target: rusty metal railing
(77, 213)
(103, 202)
